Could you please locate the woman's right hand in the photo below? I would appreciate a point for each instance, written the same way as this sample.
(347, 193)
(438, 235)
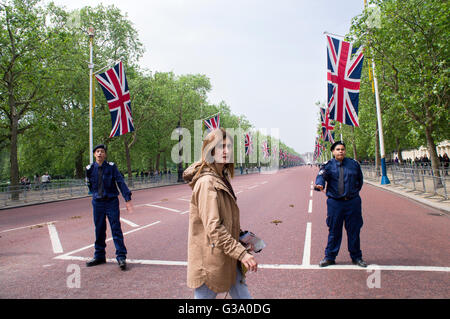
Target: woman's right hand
(250, 262)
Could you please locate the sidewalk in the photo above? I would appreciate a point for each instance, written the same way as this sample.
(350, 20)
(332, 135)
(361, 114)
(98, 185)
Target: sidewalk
(437, 202)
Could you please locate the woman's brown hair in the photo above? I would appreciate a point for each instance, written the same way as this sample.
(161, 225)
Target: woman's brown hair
(210, 142)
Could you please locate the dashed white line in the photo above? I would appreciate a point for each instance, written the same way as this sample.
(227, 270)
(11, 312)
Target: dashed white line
(126, 221)
(171, 209)
(307, 248)
(54, 238)
(30, 226)
(310, 206)
(68, 257)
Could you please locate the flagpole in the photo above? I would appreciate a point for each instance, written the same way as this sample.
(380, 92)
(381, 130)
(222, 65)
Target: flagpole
(91, 69)
(240, 145)
(384, 179)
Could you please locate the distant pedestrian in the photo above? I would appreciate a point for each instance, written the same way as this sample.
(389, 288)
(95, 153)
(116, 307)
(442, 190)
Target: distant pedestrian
(344, 180)
(446, 161)
(215, 255)
(45, 180)
(103, 179)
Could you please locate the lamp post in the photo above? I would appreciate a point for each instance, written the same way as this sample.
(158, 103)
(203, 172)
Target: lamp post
(180, 166)
(91, 70)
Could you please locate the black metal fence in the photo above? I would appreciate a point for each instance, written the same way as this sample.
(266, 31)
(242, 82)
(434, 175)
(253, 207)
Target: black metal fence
(33, 193)
(415, 177)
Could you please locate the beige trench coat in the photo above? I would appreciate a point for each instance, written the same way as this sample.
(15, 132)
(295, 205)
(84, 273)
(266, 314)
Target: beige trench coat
(213, 240)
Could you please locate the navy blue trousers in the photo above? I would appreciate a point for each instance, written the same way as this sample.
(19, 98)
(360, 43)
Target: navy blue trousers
(110, 209)
(346, 213)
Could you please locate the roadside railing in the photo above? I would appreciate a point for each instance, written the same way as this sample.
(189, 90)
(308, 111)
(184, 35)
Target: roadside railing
(417, 178)
(12, 196)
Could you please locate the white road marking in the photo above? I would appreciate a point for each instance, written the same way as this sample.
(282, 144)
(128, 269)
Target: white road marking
(239, 192)
(30, 226)
(126, 221)
(171, 209)
(67, 257)
(276, 266)
(307, 247)
(251, 187)
(311, 193)
(182, 213)
(185, 199)
(310, 206)
(56, 243)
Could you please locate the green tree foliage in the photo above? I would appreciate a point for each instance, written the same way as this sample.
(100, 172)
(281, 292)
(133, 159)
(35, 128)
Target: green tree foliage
(44, 93)
(410, 47)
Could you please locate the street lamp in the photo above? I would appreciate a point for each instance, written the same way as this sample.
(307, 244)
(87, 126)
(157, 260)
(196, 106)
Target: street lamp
(180, 166)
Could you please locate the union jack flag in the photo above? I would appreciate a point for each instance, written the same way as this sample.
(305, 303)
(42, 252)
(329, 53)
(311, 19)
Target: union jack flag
(212, 123)
(317, 149)
(274, 151)
(115, 87)
(265, 149)
(343, 77)
(248, 144)
(327, 127)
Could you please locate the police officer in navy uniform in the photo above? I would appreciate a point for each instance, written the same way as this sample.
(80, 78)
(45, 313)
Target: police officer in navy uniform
(103, 178)
(344, 180)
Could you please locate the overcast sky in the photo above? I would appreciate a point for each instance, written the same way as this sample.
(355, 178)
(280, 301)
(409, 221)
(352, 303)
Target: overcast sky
(265, 58)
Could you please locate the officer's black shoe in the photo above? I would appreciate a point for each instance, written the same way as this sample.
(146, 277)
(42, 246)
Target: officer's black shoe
(95, 262)
(122, 264)
(326, 262)
(360, 263)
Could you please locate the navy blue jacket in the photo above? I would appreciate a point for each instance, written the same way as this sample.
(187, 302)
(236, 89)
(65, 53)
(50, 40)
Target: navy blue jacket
(353, 178)
(111, 179)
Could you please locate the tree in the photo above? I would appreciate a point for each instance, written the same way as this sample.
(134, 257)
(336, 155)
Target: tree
(29, 51)
(411, 53)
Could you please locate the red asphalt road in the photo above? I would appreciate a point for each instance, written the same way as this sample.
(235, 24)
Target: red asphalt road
(397, 232)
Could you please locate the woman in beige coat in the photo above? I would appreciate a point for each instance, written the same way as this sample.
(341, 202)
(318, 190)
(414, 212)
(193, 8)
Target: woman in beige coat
(213, 244)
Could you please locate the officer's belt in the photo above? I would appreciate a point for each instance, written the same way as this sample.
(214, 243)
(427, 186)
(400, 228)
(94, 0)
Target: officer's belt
(344, 198)
(104, 199)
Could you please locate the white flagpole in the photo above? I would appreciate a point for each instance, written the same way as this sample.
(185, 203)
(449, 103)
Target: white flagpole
(91, 69)
(384, 178)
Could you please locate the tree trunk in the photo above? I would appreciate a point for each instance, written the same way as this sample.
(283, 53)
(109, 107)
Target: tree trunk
(399, 151)
(14, 164)
(158, 156)
(150, 164)
(79, 168)
(433, 154)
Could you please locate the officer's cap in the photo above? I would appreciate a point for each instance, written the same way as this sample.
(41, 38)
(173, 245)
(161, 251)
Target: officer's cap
(99, 146)
(336, 144)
